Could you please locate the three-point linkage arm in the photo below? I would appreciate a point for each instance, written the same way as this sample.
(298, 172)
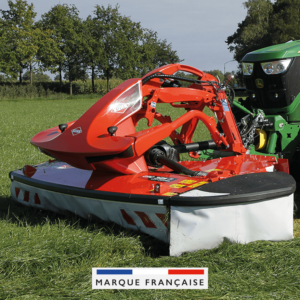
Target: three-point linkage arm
(203, 91)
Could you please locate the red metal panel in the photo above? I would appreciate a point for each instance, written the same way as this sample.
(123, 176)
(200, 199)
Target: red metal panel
(91, 125)
(283, 165)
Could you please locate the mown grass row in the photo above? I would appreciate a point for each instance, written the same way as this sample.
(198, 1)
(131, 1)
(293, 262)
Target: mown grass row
(44, 255)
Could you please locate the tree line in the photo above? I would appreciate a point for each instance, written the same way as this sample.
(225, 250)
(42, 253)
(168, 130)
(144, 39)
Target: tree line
(265, 24)
(105, 44)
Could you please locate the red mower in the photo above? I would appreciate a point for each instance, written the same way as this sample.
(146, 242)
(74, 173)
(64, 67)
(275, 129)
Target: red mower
(101, 166)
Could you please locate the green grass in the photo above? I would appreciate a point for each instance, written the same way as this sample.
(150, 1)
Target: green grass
(44, 255)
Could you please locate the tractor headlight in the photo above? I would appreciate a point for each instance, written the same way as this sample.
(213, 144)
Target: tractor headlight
(247, 68)
(276, 66)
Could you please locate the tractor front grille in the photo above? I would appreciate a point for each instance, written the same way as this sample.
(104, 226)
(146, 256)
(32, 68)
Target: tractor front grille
(278, 90)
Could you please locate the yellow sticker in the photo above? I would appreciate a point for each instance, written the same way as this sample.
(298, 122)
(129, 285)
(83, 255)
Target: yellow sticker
(213, 170)
(198, 184)
(188, 181)
(177, 186)
(169, 194)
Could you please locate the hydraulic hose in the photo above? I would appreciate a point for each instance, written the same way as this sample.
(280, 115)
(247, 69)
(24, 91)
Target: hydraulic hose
(160, 75)
(178, 167)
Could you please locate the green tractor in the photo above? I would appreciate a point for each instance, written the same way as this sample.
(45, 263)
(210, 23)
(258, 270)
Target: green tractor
(269, 118)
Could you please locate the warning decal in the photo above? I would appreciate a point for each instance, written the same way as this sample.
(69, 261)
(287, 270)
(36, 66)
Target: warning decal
(198, 184)
(213, 170)
(225, 104)
(188, 181)
(170, 194)
(177, 186)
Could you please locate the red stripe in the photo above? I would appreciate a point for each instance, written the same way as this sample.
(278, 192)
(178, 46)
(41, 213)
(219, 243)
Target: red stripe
(127, 218)
(17, 190)
(145, 219)
(163, 218)
(26, 196)
(186, 272)
(37, 199)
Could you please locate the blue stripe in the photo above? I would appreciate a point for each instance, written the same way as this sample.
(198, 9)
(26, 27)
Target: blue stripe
(114, 272)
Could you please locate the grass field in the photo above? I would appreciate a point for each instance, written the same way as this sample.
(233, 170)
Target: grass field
(44, 255)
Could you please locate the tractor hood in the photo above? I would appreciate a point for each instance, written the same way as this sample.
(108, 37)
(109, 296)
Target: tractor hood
(286, 50)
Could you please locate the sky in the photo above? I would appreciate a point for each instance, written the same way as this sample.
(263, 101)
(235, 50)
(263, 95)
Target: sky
(197, 29)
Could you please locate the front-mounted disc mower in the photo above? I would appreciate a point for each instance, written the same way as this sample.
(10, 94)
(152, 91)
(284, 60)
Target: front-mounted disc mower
(102, 166)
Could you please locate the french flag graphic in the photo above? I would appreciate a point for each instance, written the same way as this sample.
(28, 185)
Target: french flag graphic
(148, 271)
(150, 278)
